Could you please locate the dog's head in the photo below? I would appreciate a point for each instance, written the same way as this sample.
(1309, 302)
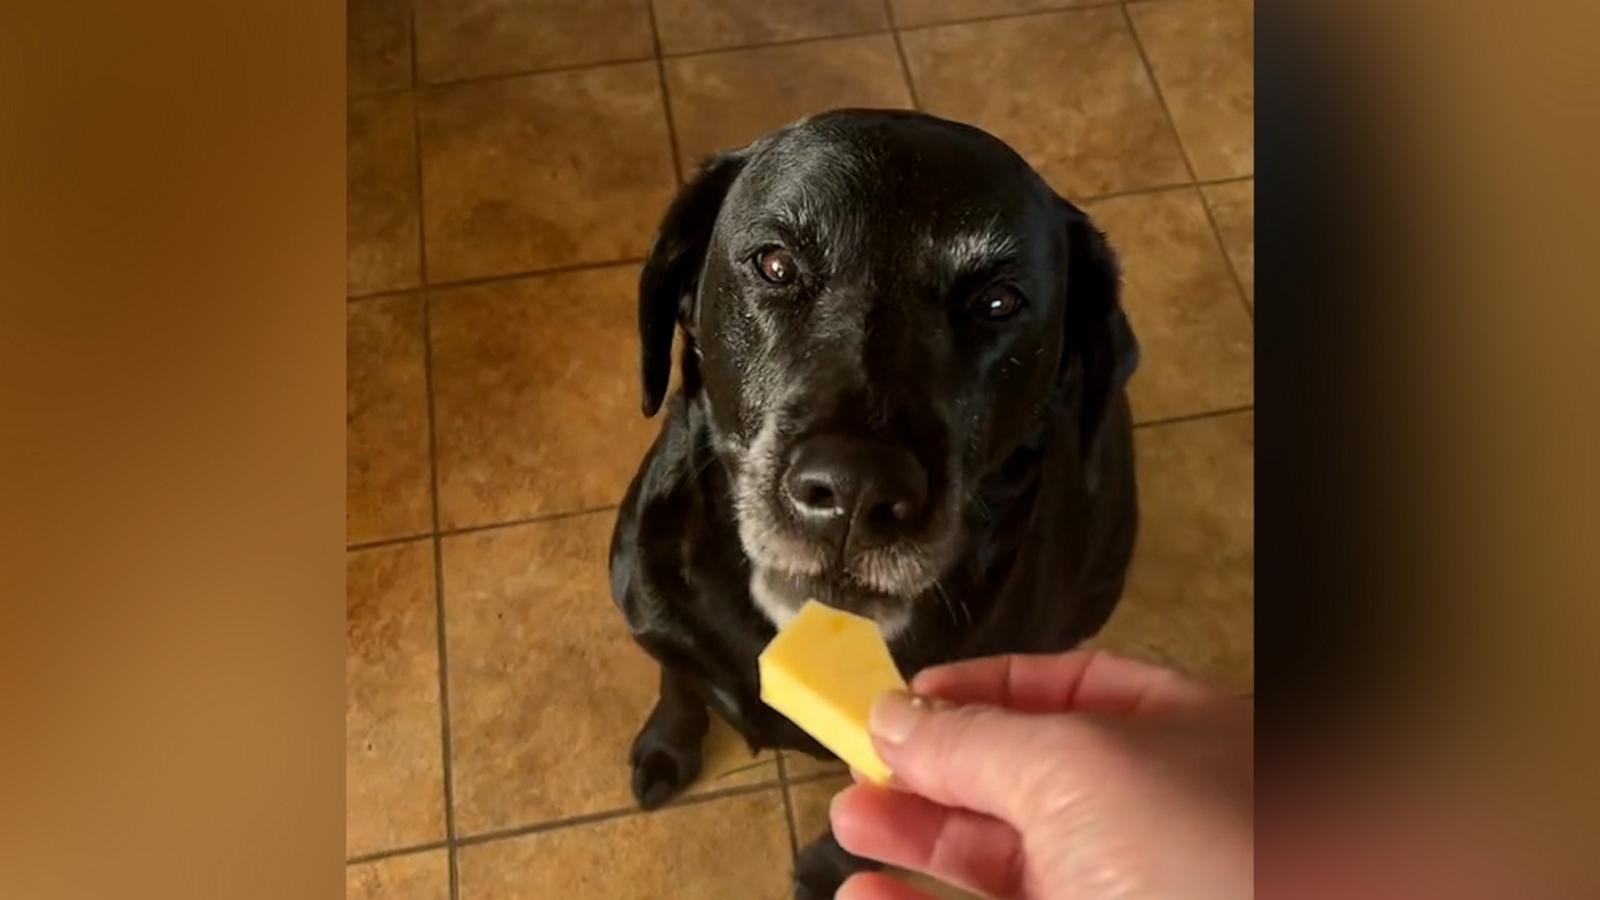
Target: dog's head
(877, 309)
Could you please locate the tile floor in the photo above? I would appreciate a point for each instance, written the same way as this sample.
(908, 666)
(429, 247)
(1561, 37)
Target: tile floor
(508, 160)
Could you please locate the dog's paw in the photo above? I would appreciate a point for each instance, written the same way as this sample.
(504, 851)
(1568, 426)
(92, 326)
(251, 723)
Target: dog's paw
(823, 866)
(661, 769)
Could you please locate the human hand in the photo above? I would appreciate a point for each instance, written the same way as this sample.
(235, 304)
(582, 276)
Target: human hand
(1081, 775)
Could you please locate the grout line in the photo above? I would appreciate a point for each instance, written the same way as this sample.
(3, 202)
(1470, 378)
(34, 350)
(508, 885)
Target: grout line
(416, 153)
(639, 260)
(1161, 97)
(411, 43)
(1024, 14)
(610, 814)
(1195, 417)
(526, 520)
(520, 274)
(657, 55)
(1188, 164)
(815, 777)
(1231, 179)
(387, 542)
(666, 101)
(661, 55)
(900, 51)
(1136, 192)
(1160, 188)
(486, 526)
(788, 807)
(1216, 236)
(439, 614)
(377, 92)
(397, 851)
(1238, 281)
(529, 273)
(524, 73)
(447, 776)
(782, 42)
(768, 44)
(384, 294)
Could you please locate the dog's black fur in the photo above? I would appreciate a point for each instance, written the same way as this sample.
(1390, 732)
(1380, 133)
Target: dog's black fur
(895, 221)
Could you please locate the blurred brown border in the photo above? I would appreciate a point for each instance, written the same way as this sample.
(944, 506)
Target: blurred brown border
(171, 642)
(171, 446)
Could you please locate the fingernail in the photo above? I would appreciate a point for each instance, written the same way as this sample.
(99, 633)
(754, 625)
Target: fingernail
(895, 716)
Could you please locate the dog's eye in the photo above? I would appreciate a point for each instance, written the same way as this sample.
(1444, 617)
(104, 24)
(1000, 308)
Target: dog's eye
(996, 303)
(775, 265)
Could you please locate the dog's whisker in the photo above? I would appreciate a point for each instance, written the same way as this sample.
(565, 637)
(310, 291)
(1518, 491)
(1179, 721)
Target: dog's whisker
(945, 598)
(983, 507)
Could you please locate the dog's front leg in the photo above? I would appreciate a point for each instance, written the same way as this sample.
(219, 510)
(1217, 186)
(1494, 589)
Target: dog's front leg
(666, 754)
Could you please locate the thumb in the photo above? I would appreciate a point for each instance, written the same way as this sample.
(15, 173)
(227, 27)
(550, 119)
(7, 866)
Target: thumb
(982, 758)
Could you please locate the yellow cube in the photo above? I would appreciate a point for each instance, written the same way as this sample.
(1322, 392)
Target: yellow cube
(823, 671)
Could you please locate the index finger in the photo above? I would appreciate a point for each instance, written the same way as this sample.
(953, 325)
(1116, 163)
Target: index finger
(1091, 681)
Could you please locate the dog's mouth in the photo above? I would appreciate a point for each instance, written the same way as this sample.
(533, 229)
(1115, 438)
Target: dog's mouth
(781, 595)
(877, 575)
(899, 570)
(883, 582)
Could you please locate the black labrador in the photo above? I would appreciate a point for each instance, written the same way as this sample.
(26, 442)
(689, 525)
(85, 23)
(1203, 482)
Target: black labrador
(901, 393)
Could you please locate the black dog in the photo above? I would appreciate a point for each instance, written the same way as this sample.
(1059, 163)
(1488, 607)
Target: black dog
(902, 394)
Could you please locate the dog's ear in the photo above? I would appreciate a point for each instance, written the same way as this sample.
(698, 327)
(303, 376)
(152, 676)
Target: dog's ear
(1101, 353)
(671, 272)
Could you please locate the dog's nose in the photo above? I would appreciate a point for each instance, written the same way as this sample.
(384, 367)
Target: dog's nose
(871, 491)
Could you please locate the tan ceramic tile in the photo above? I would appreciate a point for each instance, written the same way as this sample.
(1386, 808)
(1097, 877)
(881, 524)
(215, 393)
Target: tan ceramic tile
(688, 26)
(382, 241)
(733, 848)
(1234, 208)
(810, 802)
(726, 761)
(543, 170)
(1203, 55)
(416, 876)
(547, 689)
(723, 100)
(467, 38)
(1190, 598)
(536, 395)
(913, 13)
(800, 765)
(394, 783)
(1197, 352)
(377, 45)
(1066, 90)
(387, 491)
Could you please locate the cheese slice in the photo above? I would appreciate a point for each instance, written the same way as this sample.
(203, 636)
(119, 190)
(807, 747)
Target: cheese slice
(823, 671)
